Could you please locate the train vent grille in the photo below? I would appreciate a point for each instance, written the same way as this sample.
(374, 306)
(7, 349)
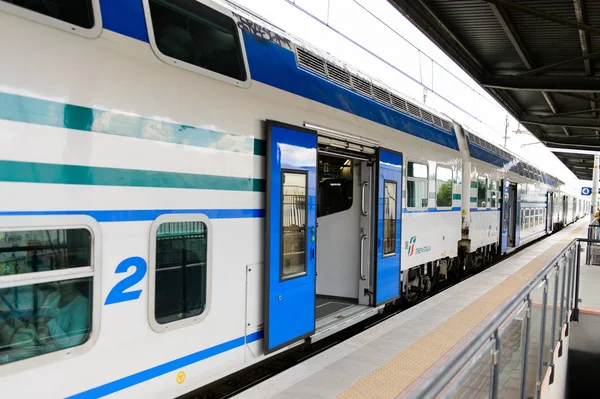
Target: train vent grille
(361, 85)
(414, 110)
(399, 103)
(427, 117)
(338, 74)
(330, 71)
(311, 61)
(381, 94)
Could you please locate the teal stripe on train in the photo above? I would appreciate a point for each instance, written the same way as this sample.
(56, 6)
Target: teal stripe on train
(52, 113)
(31, 172)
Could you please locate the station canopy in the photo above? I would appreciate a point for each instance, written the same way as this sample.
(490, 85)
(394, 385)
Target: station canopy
(539, 58)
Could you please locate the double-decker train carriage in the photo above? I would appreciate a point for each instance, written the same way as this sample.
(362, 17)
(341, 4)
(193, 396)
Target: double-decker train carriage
(187, 190)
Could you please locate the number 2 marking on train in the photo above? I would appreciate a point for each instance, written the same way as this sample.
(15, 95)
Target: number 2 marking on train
(118, 294)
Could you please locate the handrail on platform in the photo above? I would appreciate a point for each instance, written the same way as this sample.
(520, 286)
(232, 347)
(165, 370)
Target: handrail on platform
(486, 345)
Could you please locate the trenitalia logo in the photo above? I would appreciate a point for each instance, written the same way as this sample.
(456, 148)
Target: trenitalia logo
(411, 247)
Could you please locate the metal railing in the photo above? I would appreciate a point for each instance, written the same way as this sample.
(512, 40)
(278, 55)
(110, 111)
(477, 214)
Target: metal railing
(592, 254)
(513, 353)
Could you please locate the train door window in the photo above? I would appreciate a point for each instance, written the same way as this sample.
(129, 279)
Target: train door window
(81, 17)
(194, 36)
(293, 232)
(494, 194)
(522, 219)
(482, 187)
(335, 185)
(389, 217)
(46, 275)
(443, 182)
(417, 185)
(179, 273)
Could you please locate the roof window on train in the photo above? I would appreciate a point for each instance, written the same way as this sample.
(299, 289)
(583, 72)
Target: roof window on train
(77, 16)
(179, 271)
(194, 36)
(46, 302)
(417, 185)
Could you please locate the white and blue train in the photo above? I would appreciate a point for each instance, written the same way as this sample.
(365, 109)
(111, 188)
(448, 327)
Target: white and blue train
(186, 190)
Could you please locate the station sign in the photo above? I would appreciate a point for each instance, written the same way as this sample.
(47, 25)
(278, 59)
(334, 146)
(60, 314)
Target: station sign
(587, 190)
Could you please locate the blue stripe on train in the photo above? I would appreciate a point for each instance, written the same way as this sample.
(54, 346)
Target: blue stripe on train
(138, 215)
(161, 369)
(276, 66)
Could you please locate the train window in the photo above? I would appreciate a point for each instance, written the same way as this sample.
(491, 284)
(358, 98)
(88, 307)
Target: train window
(179, 269)
(522, 219)
(293, 217)
(527, 218)
(443, 187)
(389, 217)
(46, 299)
(31, 251)
(335, 185)
(417, 185)
(78, 13)
(77, 16)
(494, 194)
(482, 187)
(192, 35)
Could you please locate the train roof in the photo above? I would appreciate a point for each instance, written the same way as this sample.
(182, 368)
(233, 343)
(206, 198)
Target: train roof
(483, 150)
(348, 87)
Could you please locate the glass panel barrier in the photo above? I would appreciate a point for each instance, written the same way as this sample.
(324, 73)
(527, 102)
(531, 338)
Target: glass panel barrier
(550, 318)
(512, 336)
(533, 347)
(474, 380)
(559, 301)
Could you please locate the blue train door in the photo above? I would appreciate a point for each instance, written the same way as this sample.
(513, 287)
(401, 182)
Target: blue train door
(517, 225)
(389, 226)
(505, 215)
(549, 208)
(290, 236)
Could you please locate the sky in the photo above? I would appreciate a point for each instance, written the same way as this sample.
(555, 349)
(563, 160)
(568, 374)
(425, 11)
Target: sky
(373, 37)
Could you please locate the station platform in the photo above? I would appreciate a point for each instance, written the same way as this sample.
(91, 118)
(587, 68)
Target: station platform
(392, 359)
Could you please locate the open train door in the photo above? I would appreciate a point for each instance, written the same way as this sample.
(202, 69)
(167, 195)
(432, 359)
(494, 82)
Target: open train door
(389, 213)
(290, 235)
(549, 208)
(505, 215)
(517, 216)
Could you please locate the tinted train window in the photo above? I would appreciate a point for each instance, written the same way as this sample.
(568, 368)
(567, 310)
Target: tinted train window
(390, 195)
(494, 194)
(180, 273)
(416, 185)
(443, 186)
(482, 184)
(335, 185)
(76, 12)
(31, 251)
(54, 312)
(293, 218)
(191, 32)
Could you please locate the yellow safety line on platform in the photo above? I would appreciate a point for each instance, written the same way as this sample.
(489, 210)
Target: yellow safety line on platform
(406, 368)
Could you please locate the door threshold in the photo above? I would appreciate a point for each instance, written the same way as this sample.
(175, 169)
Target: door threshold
(343, 319)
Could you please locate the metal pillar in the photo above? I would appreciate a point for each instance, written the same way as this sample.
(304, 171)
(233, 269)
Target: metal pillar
(595, 178)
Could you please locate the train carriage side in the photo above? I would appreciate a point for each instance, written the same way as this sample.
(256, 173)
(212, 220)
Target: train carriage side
(509, 201)
(167, 160)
